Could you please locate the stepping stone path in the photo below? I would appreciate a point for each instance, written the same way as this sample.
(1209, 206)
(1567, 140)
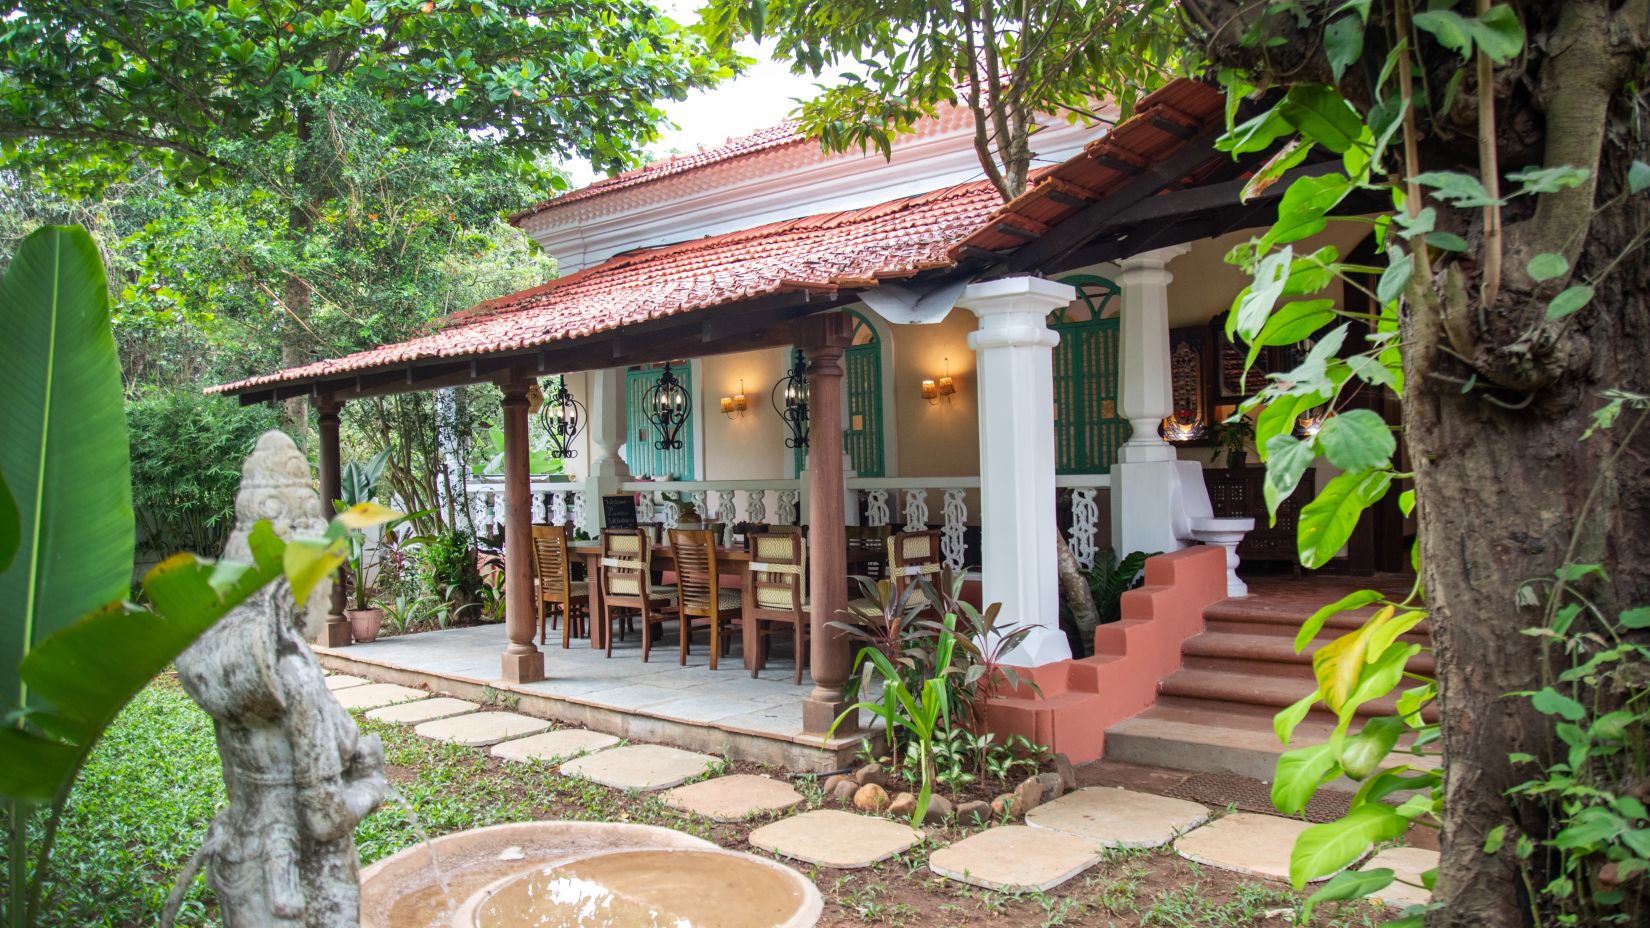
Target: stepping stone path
(1243, 842)
(423, 710)
(1407, 864)
(1119, 817)
(645, 767)
(554, 746)
(340, 681)
(373, 695)
(480, 729)
(1014, 858)
(836, 839)
(731, 798)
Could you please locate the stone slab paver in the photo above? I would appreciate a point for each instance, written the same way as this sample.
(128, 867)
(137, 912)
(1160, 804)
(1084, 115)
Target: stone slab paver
(836, 839)
(411, 713)
(731, 798)
(640, 766)
(1119, 817)
(343, 681)
(1015, 858)
(554, 746)
(480, 729)
(373, 695)
(1407, 864)
(1244, 842)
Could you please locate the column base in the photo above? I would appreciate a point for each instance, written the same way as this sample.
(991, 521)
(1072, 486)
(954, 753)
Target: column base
(525, 667)
(335, 633)
(821, 708)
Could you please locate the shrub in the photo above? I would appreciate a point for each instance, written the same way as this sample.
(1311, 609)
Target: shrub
(187, 450)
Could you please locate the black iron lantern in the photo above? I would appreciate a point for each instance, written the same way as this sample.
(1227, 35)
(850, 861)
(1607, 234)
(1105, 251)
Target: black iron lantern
(562, 418)
(667, 405)
(790, 399)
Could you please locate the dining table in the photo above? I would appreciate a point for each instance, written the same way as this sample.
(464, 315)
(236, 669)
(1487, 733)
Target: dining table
(730, 561)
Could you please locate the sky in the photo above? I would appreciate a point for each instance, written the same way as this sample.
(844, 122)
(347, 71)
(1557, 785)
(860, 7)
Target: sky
(763, 96)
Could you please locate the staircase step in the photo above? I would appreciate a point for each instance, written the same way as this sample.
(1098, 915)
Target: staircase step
(1272, 655)
(1265, 691)
(1202, 740)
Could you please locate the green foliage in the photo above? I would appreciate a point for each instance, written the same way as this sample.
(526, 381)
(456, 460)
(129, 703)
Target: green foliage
(893, 64)
(64, 455)
(186, 451)
(1111, 577)
(447, 566)
(177, 79)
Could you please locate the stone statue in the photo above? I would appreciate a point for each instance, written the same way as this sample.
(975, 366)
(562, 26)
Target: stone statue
(299, 774)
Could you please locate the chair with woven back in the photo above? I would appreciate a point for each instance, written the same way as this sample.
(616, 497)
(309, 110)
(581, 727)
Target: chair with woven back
(626, 577)
(700, 598)
(559, 594)
(869, 542)
(778, 596)
(913, 556)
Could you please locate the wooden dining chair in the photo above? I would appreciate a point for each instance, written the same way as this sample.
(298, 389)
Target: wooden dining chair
(559, 594)
(700, 598)
(778, 597)
(626, 577)
(869, 542)
(911, 557)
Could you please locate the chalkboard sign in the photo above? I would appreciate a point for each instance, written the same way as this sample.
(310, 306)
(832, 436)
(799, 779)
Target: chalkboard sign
(619, 511)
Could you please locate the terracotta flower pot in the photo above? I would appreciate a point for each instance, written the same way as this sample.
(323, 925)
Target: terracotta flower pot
(365, 623)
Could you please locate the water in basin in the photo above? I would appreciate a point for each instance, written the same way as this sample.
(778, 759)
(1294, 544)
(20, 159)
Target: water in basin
(652, 889)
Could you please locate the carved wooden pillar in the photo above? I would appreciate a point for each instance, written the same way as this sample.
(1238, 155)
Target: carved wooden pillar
(822, 340)
(523, 662)
(335, 634)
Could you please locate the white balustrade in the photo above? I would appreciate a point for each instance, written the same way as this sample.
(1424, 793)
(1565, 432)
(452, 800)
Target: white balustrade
(756, 506)
(645, 511)
(579, 511)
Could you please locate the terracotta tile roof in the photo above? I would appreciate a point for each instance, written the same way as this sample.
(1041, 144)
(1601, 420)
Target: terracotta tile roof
(850, 250)
(759, 141)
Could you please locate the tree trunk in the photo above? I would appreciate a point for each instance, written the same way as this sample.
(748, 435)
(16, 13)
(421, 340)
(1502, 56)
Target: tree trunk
(1079, 599)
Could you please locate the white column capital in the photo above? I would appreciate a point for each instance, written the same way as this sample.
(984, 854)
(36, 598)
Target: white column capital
(1156, 259)
(1015, 295)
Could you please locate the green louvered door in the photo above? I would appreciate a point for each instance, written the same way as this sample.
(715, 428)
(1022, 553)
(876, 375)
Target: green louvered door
(862, 371)
(643, 456)
(1088, 429)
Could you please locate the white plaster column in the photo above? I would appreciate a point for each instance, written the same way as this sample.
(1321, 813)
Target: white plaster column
(606, 407)
(1015, 348)
(1145, 483)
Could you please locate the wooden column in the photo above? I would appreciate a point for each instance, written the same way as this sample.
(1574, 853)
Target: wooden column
(335, 634)
(822, 339)
(523, 662)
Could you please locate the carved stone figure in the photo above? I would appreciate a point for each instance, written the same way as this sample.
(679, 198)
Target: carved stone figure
(298, 772)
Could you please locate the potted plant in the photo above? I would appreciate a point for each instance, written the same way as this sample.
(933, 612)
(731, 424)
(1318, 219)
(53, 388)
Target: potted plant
(1233, 437)
(359, 484)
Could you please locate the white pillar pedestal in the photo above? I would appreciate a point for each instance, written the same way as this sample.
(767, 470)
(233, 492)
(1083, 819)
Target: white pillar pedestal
(1016, 395)
(607, 436)
(1228, 533)
(1144, 482)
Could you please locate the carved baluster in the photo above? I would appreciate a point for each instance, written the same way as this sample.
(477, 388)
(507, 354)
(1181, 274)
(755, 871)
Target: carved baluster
(788, 502)
(579, 512)
(951, 535)
(876, 508)
(1085, 521)
(558, 508)
(645, 509)
(756, 506)
(916, 510)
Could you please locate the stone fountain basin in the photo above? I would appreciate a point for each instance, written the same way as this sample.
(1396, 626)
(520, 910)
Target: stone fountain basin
(664, 888)
(404, 891)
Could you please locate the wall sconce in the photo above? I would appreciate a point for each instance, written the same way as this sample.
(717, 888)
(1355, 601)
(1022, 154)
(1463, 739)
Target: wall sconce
(1307, 425)
(734, 406)
(935, 390)
(1176, 429)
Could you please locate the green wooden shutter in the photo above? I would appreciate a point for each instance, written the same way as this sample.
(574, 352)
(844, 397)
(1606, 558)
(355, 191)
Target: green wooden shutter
(643, 456)
(862, 432)
(1088, 427)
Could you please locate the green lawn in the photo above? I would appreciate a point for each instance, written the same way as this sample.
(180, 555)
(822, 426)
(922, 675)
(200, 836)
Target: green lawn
(143, 804)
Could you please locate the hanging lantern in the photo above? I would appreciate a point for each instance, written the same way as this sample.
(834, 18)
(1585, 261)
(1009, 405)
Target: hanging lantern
(667, 405)
(790, 398)
(562, 417)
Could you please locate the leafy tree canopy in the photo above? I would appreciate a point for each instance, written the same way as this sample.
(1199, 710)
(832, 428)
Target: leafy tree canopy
(98, 81)
(905, 60)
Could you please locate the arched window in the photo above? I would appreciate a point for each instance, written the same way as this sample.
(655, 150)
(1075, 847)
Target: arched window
(1088, 427)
